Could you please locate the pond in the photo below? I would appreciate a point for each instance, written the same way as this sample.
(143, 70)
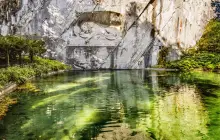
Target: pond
(100, 105)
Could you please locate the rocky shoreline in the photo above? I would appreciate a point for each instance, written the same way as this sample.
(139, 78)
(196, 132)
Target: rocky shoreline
(13, 86)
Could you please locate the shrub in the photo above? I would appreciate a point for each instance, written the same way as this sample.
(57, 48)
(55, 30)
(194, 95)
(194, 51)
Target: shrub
(205, 60)
(210, 40)
(206, 53)
(3, 79)
(183, 65)
(22, 74)
(217, 66)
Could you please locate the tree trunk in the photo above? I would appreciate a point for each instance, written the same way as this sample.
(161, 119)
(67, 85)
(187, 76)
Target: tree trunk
(31, 57)
(7, 58)
(20, 58)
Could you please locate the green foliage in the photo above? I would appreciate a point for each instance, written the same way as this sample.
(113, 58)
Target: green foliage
(18, 74)
(162, 56)
(203, 60)
(217, 66)
(3, 79)
(13, 46)
(5, 103)
(28, 87)
(206, 54)
(210, 40)
(36, 47)
(51, 64)
(43, 66)
(22, 74)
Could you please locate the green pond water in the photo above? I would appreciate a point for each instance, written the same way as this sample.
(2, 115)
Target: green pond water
(97, 105)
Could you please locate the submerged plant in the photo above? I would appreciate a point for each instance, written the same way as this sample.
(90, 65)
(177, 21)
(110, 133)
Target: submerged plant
(28, 87)
(5, 103)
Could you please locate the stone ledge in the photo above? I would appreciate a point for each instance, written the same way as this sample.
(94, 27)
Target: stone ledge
(161, 69)
(13, 86)
(8, 89)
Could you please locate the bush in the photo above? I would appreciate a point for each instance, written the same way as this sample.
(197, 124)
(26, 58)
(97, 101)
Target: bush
(206, 54)
(210, 40)
(22, 74)
(217, 67)
(205, 60)
(51, 64)
(184, 65)
(3, 79)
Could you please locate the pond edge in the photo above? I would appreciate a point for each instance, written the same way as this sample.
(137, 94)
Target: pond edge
(10, 87)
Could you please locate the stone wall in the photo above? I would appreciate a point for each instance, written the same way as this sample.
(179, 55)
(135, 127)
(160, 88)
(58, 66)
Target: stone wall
(99, 24)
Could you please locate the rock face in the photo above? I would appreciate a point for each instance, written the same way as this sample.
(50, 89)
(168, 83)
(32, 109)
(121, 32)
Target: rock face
(216, 5)
(119, 34)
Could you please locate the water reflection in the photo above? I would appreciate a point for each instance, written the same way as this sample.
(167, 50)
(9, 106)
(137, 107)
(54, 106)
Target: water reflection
(179, 114)
(110, 105)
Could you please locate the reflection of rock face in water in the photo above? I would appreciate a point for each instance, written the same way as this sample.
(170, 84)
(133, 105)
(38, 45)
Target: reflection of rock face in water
(110, 105)
(120, 131)
(176, 110)
(178, 114)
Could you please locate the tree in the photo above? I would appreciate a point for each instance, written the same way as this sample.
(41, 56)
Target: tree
(36, 47)
(20, 47)
(210, 41)
(5, 43)
(13, 46)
